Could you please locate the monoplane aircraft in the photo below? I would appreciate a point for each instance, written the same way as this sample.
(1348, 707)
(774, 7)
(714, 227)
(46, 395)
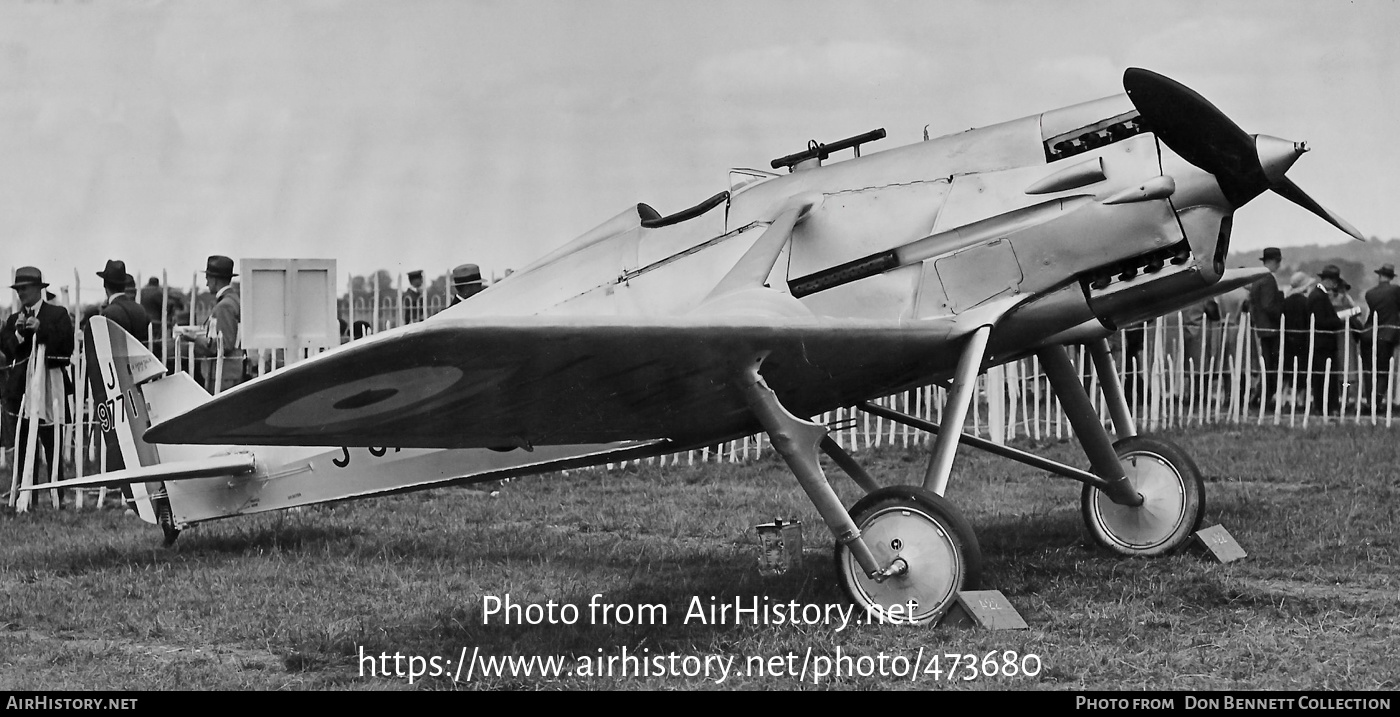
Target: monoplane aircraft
(831, 284)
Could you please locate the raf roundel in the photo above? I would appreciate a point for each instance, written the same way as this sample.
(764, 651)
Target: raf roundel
(392, 392)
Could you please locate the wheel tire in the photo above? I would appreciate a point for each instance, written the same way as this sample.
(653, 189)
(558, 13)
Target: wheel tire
(1173, 501)
(934, 539)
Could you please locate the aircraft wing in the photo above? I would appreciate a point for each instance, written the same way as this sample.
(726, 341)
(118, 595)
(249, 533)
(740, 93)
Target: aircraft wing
(224, 465)
(550, 380)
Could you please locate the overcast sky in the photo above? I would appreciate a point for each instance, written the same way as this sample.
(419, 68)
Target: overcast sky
(405, 134)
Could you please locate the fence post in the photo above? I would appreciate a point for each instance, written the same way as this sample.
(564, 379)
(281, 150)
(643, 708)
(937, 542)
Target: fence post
(374, 310)
(1217, 378)
(28, 415)
(1013, 373)
(1239, 384)
(1375, 367)
(79, 413)
(1390, 392)
(15, 478)
(865, 427)
(996, 405)
(1293, 403)
(1326, 389)
(164, 319)
(1182, 361)
(1278, 383)
(57, 403)
(1345, 379)
(1158, 361)
(1247, 352)
(1312, 340)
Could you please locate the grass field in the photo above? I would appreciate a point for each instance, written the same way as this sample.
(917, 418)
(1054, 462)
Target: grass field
(289, 601)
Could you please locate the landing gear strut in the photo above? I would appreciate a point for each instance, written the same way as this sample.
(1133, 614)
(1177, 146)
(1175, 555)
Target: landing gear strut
(902, 553)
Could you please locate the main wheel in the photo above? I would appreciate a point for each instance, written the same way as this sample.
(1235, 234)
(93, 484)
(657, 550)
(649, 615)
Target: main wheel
(1173, 501)
(933, 538)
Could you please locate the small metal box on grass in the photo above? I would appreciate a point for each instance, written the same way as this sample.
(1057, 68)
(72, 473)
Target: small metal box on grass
(780, 546)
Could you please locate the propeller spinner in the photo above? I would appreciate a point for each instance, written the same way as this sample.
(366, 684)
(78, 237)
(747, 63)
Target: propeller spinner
(1244, 165)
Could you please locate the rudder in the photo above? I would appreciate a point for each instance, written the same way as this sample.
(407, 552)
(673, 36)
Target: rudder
(121, 376)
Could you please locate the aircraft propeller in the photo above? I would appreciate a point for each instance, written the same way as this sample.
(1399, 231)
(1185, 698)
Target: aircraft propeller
(1244, 165)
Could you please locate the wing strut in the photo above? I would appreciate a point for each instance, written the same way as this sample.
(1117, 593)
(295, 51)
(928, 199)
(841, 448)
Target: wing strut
(964, 389)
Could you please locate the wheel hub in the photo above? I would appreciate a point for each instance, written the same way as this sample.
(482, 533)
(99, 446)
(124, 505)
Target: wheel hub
(932, 559)
(1163, 504)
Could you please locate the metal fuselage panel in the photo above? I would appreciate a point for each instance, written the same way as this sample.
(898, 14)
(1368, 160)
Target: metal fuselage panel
(950, 221)
(292, 477)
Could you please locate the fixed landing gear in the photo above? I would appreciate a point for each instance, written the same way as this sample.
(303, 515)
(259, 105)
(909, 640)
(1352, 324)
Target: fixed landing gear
(904, 553)
(1173, 501)
(929, 546)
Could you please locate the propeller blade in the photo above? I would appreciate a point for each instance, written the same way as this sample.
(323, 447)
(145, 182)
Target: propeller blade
(1244, 165)
(1199, 132)
(1290, 191)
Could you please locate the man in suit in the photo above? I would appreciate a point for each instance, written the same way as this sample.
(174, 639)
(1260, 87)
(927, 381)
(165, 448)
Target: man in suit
(466, 283)
(1384, 325)
(1327, 327)
(120, 308)
(413, 308)
(1265, 309)
(37, 323)
(218, 341)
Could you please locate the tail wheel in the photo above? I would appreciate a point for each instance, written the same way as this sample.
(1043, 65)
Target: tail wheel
(934, 540)
(165, 517)
(1173, 501)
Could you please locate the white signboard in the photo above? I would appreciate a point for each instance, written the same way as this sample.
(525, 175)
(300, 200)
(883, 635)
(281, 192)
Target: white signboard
(289, 304)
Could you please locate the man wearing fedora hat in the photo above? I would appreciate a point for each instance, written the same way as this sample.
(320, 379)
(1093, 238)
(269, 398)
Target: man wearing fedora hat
(1265, 309)
(218, 341)
(36, 323)
(120, 308)
(1384, 325)
(1326, 390)
(466, 282)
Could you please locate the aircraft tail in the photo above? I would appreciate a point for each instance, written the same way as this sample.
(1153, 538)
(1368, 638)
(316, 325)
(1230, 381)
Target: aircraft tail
(130, 390)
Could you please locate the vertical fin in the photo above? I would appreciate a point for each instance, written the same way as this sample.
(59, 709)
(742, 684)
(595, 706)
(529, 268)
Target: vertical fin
(119, 364)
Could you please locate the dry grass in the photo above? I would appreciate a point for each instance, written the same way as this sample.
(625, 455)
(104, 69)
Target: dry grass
(88, 600)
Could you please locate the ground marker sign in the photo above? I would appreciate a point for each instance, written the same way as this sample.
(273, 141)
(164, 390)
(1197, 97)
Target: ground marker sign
(984, 608)
(1218, 542)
